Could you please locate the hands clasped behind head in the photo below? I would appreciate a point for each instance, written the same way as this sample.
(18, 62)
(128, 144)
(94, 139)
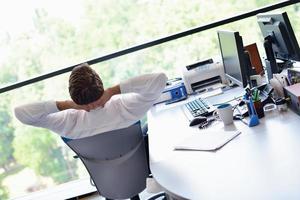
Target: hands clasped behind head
(98, 103)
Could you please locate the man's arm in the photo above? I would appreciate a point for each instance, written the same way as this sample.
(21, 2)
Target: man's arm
(145, 90)
(147, 85)
(52, 115)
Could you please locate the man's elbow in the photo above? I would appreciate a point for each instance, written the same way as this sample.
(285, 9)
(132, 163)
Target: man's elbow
(21, 115)
(162, 78)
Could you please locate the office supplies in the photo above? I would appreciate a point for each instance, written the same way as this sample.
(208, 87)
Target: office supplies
(265, 93)
(240, 110)
(293, 92)
(281, 104)
(255, 95)
(255, 80)
(206, 123)
(173, 92)
(253, 115)
(269, 107)
(259, 108)
(207, 140)
(202, 74)
(257, 102)
(198, 107)
(278, 82)
(293, 75)
(198, 120)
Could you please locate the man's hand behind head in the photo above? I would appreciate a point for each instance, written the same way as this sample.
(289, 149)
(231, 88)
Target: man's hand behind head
(107, 94)
(69, 104)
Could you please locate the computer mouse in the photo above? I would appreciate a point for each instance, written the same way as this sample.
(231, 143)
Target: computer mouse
(198, 120)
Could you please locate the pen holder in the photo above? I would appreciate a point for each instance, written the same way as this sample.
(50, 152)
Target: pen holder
(258, 108)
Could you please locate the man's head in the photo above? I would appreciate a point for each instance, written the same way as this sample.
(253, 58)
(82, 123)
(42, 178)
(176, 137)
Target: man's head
(85, 85)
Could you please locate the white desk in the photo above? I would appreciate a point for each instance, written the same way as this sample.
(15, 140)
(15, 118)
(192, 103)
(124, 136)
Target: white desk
(261, 163)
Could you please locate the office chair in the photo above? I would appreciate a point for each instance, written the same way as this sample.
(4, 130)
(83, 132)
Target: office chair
(116, 161)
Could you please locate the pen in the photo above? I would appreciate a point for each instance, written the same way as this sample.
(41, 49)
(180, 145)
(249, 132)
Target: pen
(255, 95)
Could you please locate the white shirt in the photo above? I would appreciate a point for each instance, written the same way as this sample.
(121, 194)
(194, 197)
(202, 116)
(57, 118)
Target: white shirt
(137, 96)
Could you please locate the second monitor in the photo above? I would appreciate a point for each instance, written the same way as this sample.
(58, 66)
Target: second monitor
(279, 42)
(277, 29)
(235, 62)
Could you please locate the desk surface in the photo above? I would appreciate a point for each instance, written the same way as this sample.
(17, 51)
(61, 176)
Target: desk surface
(261, 163)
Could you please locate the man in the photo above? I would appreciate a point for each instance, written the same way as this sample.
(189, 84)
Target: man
(92, 109)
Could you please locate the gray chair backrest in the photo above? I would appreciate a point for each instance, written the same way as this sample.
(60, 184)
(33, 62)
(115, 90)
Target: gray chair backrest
(116, 161)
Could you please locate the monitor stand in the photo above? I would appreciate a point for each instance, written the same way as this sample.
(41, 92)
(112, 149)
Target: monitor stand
(271, 65)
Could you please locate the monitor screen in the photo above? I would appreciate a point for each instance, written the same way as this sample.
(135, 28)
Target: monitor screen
(232, 51)
(283, 41)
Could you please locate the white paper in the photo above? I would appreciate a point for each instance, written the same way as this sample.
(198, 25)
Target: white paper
(207, 140)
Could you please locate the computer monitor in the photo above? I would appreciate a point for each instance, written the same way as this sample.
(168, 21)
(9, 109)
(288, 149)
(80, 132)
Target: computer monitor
(279, 40)
(233, 56)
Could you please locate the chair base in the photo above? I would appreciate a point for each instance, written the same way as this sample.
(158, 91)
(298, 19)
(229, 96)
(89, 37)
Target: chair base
(163, 195)
(137, 197)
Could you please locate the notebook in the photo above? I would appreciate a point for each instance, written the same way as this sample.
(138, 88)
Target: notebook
(207, 140)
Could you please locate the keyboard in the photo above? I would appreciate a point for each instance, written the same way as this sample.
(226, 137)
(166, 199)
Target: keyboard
(198, 107)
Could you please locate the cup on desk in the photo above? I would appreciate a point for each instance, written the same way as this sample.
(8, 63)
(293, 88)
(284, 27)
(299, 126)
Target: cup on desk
(224, 113)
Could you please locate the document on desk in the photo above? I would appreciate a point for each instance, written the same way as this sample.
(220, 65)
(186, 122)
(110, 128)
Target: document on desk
(207, 140)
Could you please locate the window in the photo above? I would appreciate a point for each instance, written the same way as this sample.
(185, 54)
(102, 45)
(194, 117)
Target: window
(38, 37)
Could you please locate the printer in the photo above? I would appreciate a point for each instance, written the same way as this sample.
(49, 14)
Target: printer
(199, 76)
